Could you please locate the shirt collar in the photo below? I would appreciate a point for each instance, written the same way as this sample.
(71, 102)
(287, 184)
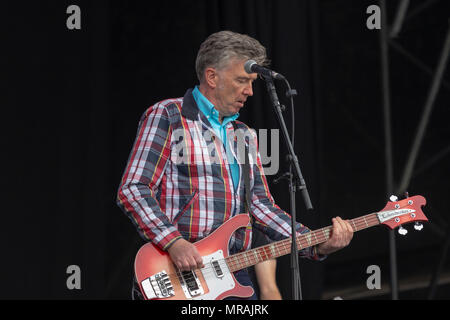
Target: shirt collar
(209, 110)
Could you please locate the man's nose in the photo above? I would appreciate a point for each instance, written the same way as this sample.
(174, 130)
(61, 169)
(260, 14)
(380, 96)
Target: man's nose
(248, 91)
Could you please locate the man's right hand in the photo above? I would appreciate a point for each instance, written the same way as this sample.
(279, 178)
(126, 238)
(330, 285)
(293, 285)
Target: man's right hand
(185, 255)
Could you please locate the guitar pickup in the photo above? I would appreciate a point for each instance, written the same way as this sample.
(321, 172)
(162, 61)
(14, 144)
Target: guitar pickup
(190, 284)
(217, 269)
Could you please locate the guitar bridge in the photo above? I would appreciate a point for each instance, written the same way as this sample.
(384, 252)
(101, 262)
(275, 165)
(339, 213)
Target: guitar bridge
(158, 286)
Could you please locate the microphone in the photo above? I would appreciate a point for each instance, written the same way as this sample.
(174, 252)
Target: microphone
(252, 67)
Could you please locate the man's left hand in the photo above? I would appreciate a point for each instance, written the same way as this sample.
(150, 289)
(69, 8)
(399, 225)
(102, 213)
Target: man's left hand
(341, 235)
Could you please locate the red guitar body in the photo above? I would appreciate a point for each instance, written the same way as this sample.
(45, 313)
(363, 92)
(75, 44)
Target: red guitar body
(150, 260)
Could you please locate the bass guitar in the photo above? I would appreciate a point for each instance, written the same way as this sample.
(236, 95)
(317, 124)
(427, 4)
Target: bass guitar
(158, 277)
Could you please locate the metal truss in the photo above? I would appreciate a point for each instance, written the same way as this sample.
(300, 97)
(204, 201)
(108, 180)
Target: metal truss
(388, 33)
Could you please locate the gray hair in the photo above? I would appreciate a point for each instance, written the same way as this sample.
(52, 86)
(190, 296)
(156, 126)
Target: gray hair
(220, 47)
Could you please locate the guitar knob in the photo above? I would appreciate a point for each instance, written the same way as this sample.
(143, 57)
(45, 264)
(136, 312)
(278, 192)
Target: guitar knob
(393, 198)
(402, 231)
(418, 226)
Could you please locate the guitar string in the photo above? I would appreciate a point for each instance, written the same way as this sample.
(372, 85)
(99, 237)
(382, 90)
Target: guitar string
(246, 259)
(242, 264)
(359, 223)
(242, 260)
(285, 245)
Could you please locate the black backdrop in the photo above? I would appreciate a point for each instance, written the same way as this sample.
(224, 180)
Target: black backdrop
(73, 99)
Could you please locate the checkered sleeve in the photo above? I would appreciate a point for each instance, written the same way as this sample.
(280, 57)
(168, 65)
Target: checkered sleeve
(143, 173)
(270, 218)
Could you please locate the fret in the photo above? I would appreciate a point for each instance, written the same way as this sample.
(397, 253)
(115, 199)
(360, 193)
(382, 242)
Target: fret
(258, 251)
(272, 251)
(246, 259)
(238, 261)
(265, 252)
(276, 249)
(299, 243)
(234, 263)
(308, 238)
(376, 220)
(286, 247)
(280, 249)
(354, 226)
(326, 233)
(315, 237)
(231, 263)
(255, 252)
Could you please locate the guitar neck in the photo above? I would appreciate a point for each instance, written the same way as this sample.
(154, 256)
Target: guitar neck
(277, 249)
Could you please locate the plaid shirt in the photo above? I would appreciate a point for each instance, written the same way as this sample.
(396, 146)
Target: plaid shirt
(177, 182)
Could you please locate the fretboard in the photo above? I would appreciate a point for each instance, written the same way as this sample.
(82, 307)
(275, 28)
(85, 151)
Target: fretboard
(280, 248)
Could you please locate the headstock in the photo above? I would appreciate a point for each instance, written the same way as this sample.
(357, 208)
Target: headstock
(396, 213)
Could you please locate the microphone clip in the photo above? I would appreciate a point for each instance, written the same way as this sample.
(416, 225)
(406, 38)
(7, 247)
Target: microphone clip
(291, 93)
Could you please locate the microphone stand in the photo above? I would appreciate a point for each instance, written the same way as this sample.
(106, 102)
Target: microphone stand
(296, 181)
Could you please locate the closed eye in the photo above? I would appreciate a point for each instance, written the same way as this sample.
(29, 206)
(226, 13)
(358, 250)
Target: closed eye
(243, 80)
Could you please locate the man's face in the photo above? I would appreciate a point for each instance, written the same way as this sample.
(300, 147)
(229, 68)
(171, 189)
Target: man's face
(234, 86)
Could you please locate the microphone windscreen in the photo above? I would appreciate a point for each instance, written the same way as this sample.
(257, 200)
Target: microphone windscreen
(248, 66)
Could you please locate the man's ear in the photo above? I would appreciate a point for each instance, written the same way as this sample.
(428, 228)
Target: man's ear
(211, 77)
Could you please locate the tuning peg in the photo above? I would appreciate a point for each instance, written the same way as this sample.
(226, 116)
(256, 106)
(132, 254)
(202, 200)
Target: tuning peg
(393, 198)
(418, 226)
(402, 231)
